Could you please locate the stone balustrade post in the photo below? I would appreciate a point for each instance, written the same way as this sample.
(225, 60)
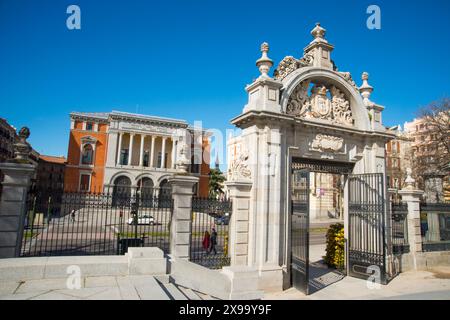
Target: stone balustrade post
(239, 222)
(13, 206)
(411, 196)
(180, 228)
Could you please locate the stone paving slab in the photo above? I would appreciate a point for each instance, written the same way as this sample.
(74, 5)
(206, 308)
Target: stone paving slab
(409, 285)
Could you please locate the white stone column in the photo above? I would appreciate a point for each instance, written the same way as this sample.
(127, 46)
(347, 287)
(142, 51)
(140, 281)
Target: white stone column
(180, 226)
(174, 152)
(240, 192)
(13, 206)
(119, 148)
(152, 152)
(163, 152)
(111, 153)
(130, 152)
(141, 151)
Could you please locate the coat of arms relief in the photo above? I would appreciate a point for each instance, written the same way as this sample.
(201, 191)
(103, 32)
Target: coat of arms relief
(323, 103)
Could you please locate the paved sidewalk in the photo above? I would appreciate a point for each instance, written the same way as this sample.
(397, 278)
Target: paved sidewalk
(99, 288)
(417, 285)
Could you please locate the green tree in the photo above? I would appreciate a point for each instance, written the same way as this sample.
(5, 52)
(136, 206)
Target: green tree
(216, 180)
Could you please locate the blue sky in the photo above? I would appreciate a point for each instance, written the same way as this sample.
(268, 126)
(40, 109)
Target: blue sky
(192, 59)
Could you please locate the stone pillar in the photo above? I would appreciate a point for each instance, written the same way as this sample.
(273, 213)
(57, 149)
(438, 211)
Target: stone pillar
(111, 153)
(13, 206)
(163, 152)
(180, 226)
(152, 152)
(119, 148)
(130, 152)
(141, 151)
(412, 196)
(174, 151)
(240, 192)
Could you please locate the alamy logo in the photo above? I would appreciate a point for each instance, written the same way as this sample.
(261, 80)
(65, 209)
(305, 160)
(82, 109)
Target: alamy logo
(374, 280)
(73, 22)
(74, 278)
(374, 20)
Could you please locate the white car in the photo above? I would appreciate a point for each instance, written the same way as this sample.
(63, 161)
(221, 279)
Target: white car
(143, 220)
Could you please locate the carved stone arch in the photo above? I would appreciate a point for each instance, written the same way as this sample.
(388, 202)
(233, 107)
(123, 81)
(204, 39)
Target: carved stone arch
(122, 173)
(331, 78)
(163, 177)
(144, 175)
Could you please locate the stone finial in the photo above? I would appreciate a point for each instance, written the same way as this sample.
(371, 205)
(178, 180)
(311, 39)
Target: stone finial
(409, 181)
(22, 148)
(318, 32)
(183, 162)
(264, 63)
(366, 89)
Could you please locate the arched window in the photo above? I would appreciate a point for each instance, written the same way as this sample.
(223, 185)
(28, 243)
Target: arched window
(87, 155)
(122, 191)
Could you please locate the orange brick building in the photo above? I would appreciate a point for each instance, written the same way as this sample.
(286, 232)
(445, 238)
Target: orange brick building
(123, 149)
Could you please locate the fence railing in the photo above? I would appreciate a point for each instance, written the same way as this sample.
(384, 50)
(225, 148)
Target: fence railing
(399, 227)
(435, 226)
(104, 223)
(210, 232)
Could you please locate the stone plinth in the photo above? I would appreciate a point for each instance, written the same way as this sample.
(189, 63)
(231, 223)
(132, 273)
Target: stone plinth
(238, 244)
(13, 206)
(180, 228)
(412, 196)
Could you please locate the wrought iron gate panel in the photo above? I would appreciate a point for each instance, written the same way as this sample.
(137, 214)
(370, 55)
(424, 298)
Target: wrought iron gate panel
(104, 223)
(300, 230)
(210, 232)
(367, 248)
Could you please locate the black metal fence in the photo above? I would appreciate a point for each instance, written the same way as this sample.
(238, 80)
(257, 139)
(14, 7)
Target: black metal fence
(209, 233)
(399, 227)
(105, 223)
(435, 226)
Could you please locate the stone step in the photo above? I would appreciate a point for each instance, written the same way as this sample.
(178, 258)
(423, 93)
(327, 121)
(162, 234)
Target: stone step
(174, 291)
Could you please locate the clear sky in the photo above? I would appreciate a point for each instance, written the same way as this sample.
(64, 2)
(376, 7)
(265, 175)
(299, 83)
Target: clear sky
(192, 59)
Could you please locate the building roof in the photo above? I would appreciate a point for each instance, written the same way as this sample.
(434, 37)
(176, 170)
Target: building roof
(105, 116)
(53, 159)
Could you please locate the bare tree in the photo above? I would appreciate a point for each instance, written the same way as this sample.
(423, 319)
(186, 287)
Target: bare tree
(431, 150)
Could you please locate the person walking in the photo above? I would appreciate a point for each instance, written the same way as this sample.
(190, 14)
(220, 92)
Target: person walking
(206, 241)
(72, 215)
(213, 241)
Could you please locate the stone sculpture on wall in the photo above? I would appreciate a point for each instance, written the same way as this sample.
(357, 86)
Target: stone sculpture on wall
(239, 169)
(327, 143)
(319, 105)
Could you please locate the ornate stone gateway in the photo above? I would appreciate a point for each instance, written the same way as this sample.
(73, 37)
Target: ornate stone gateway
(308, 117)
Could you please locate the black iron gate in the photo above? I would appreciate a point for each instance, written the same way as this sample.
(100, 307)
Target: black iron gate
(209, 233)
(300, 230)
(105, 223)
(367, 247)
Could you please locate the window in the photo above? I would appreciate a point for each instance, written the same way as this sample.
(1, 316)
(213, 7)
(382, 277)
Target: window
(159, 160)
(124, 157)
(87, 154)
(89, 126)
(146, 159)
(85, 182)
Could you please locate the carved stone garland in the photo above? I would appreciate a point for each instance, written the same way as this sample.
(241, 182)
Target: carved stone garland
(318, 105)
(239, 169)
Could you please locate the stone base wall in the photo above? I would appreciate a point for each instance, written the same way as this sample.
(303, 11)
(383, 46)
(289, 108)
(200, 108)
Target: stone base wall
(424, 260)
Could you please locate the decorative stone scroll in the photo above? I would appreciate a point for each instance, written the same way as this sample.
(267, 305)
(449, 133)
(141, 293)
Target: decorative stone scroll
(289, 64)
(326, 143)
(318, 105)
(239, 169)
